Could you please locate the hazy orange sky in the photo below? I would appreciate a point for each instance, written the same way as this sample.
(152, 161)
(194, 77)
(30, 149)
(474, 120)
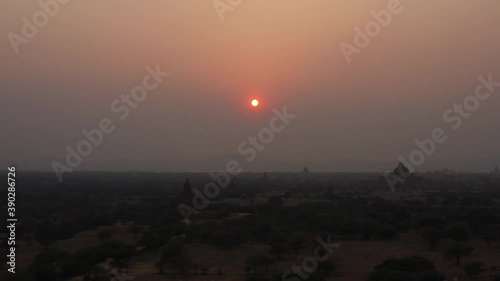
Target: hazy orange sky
(355, 116)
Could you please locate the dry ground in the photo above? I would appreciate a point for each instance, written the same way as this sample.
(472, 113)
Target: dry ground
(354, 259)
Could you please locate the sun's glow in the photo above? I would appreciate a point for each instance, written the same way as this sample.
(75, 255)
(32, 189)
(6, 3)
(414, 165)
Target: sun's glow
(255, 102)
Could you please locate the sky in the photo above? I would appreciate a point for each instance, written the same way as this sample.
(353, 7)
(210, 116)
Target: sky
(350, 116)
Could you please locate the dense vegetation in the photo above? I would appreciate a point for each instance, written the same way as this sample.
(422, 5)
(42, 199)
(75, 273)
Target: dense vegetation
(346, 206)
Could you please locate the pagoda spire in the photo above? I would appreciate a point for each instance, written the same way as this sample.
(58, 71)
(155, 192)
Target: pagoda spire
(187, 186)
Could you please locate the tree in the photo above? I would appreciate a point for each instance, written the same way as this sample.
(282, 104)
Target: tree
(457, 252)
(474, 269)
(251, 198)
(136, 230)
(430, 275)
(459, 232)
(390, 275)
(411, 264)
(368, 228)
(296, 241)
(105, 235)
(256, 262)
(227, 239)
(478, 218)
(96, 274)
(387, 231)
(255, 277)
(53, 265)
(121, 256)
(490, 234)
(276, 201)
(348, 227)
(431, 221)
(152, 240)
(406, 269)
(266, 261)
(252, 262)
(19, 276)
(46, 234)
(278, 249)
(89, 257)
(317, 276)
(327, 267)
(174, 254)
(119, 252)
(433, 235)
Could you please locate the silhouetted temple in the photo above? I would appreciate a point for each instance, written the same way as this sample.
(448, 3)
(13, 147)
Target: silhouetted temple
(264, 177)
(402, 171)
(495, 174)
(401, 175)
(496, 170)
(186, 195)
(306, 170)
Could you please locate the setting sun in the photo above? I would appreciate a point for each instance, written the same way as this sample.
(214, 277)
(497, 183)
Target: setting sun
(255, 102)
